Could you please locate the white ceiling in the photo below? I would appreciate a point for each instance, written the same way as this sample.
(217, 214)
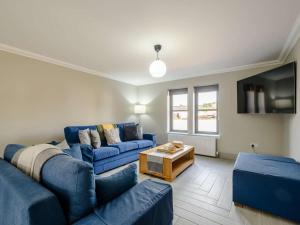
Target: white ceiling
(115, 38)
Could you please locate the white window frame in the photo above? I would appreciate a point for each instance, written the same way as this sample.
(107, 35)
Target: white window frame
(171, 93)
(208, 88)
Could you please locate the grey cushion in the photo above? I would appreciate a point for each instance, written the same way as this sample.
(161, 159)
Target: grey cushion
(95, 139)
(84, 137)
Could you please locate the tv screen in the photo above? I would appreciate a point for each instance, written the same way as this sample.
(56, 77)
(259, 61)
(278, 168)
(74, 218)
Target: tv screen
(273, 91)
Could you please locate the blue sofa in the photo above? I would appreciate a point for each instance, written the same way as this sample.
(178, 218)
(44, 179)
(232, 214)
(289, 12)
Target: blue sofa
(268, 183)
(67, 195)
(108, 157)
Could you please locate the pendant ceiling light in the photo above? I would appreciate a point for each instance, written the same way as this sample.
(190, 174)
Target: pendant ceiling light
(158, 67)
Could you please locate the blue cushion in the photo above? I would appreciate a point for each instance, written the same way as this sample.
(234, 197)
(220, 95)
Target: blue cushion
(144, 143)
(10, 150)
(74, 151)
(146, 203)
(108, 188)
(105, 152)
(24, 202)
(72, 181)
(71, 133)
(125, 146)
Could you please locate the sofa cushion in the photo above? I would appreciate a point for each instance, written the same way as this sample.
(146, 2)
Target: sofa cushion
(121, 129)
(71, 133)
(105, 152)
(74, 151)
(72, 181)
(144, 143)
(130, 132)
(10, 151)
(108, 188)
(142, 204)
(125, 146)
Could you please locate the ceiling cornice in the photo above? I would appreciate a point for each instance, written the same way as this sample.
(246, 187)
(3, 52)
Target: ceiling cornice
(290, 43)
(32, 55)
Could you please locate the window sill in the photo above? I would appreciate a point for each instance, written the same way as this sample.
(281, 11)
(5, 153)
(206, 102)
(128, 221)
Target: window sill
(173, 132)
(206, 135)
(195, 134)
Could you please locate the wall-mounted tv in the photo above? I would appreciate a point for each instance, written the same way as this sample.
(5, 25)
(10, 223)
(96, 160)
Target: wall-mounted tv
(273, 91)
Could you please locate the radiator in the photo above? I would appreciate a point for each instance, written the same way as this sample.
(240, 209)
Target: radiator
(204, 145)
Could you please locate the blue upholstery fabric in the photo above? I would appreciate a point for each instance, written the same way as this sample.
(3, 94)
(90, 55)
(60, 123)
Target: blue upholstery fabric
(108, 188)
(74, 151)
(91, 219)
(10, 150)
(147, 203)
(105, 152)
(72, 181)
(24, 202)
(125, 146)
(144, 143)
(100, 160)
(71, 133)
(151, 137)
(268, 183)
(116, 161)
(87, 152)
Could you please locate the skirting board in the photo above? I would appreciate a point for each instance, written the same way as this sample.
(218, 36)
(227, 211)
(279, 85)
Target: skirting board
(225, 155)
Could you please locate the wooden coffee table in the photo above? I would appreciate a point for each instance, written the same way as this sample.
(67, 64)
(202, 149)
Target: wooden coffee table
(172, 164)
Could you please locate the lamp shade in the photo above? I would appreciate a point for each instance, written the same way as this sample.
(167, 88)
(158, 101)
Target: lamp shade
(157, 68)
(139, 109)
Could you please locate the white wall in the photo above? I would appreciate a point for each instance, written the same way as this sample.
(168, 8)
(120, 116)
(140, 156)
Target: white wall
(237, 131)
(37, 100)
(292, 122)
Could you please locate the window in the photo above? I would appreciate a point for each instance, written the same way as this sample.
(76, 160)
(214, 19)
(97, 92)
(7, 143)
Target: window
(178, 108)
(206, 109)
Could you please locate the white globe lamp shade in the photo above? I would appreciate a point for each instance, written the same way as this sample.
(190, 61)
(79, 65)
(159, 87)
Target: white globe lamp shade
(158, 68)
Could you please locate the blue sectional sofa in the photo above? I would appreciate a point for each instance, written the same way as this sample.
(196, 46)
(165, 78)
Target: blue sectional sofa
(108, 157)
(67, 195)
(268, 183)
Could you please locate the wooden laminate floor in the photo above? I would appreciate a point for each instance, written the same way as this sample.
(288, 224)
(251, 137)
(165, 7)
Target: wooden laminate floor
(203, 195)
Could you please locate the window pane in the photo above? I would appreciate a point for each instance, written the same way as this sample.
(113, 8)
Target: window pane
(180, 121)
(207, 121)
(179, 102)
(207, 100)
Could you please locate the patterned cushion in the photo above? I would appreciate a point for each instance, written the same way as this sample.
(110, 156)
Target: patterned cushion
(112, 136)
(95, 139)
(84, 136)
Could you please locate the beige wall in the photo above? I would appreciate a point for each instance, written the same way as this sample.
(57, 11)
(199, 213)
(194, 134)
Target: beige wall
(292, 122)
(37, 100)
(237, 131)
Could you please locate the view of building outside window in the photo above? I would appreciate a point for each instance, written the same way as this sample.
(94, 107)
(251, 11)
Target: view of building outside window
(179, 112)
(206, 112)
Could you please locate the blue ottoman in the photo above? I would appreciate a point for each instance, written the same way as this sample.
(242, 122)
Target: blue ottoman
(268, 183)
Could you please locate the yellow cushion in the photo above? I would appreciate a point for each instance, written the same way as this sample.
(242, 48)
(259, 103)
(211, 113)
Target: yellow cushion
(107, 126)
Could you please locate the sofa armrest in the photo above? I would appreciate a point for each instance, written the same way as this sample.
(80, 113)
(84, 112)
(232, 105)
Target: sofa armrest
(151, 137)
(24, 201)
(87, 152)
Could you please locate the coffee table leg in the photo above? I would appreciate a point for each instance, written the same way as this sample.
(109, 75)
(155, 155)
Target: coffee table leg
(167, 169)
